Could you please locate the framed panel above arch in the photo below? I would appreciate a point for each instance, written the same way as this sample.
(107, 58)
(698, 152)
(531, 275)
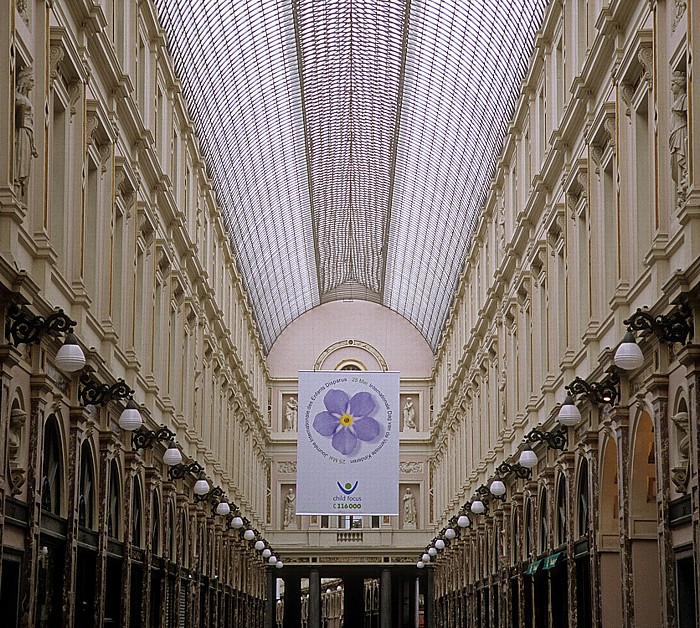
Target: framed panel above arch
(345, 354)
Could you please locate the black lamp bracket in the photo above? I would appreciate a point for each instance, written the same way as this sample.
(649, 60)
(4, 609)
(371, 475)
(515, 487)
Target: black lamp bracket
(677, 326)
(213, 496)
(504, 469)
(92, 392)
(556, 439)
(144, 438)
(28, 329)
(607, 390)
(179, 471)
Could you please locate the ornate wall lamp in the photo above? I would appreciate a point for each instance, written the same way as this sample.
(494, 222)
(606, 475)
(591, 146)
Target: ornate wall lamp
(31, 329)
(556, 439)
(674, 327)
(607, 390)
(179, 471)
(92, 392)
(480, 504)
(203, 492)
(520, 471)
(145, 439)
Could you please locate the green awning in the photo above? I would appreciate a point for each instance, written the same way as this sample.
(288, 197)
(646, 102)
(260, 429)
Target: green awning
(533, 567)
(550, 561)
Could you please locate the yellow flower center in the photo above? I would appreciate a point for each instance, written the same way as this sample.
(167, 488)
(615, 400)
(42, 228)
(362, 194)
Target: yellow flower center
(346, 420)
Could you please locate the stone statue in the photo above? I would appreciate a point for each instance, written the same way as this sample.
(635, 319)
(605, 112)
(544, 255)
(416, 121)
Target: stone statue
(290, 509)
(291, 415)
(502, 394)
(409, 415)
(678, 139)
(14, 441)
(25, 149)
(410, 512)
(680, 473)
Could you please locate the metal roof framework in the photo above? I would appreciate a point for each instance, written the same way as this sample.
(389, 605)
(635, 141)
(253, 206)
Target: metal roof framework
(350, 142)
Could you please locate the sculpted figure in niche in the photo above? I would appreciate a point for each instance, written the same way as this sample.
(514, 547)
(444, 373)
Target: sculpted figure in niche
(291, 415)
(679, 473)
(678, 139)
(410, 512)
(290, 509)
(409, 415)
(14, 442)
(25, 149)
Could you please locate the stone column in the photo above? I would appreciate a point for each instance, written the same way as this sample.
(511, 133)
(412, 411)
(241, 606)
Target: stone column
(429, 597)
(657, 385)
(315, 600)
(619, 421)
(689, 356)
(73, 465)
(292, 601)
(385, 599)
(107, 449)
(9, 358)
(40, 388)
(590, 446)
(270, 597)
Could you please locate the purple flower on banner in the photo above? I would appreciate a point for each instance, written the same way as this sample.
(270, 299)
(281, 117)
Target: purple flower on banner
(347, 420)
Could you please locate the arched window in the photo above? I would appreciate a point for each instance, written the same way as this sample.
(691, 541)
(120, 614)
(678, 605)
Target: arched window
(114, 502)
(184, 556)
(86, 500)
(583, 500)
(136, 515)
(515, 541)
(561, 512)
(529, 536)
(155, 523)
(170, 545)
(544, 522)
(52, 468)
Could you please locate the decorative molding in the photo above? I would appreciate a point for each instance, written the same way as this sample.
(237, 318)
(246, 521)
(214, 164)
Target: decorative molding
(646, 58)
(56, 54)
(350, 343)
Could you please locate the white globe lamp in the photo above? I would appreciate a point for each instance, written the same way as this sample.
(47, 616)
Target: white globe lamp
(628, 355)
(70, 357)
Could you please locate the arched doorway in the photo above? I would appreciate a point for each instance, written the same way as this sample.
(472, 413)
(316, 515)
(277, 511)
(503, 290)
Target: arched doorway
(609, 526)
(643, 526)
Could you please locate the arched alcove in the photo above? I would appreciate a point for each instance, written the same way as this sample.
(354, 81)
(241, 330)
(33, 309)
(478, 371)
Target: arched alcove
(609, 526)
(136, 514)
(643, 524)
(52, 471)
(114, 502)
(86, 499)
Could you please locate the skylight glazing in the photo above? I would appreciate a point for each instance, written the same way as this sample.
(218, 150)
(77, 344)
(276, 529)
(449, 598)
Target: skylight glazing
(463, 69)
(238, 66)
(351, 142)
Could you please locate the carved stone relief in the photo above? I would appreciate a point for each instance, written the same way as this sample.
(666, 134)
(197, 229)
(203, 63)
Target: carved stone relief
(14, 442)
(680, 473)
(681, 7)
(287, 466)
(410, 467)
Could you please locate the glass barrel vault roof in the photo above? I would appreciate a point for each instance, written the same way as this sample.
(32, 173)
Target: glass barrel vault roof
(350, 142)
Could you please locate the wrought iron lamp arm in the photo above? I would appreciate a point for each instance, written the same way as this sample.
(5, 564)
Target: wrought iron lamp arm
(29, 329)
(556, 439)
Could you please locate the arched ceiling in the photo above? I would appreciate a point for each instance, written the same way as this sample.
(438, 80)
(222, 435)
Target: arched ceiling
(351, 142)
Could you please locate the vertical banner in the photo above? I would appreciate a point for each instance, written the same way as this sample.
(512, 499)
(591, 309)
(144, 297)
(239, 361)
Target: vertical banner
(348, 445)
